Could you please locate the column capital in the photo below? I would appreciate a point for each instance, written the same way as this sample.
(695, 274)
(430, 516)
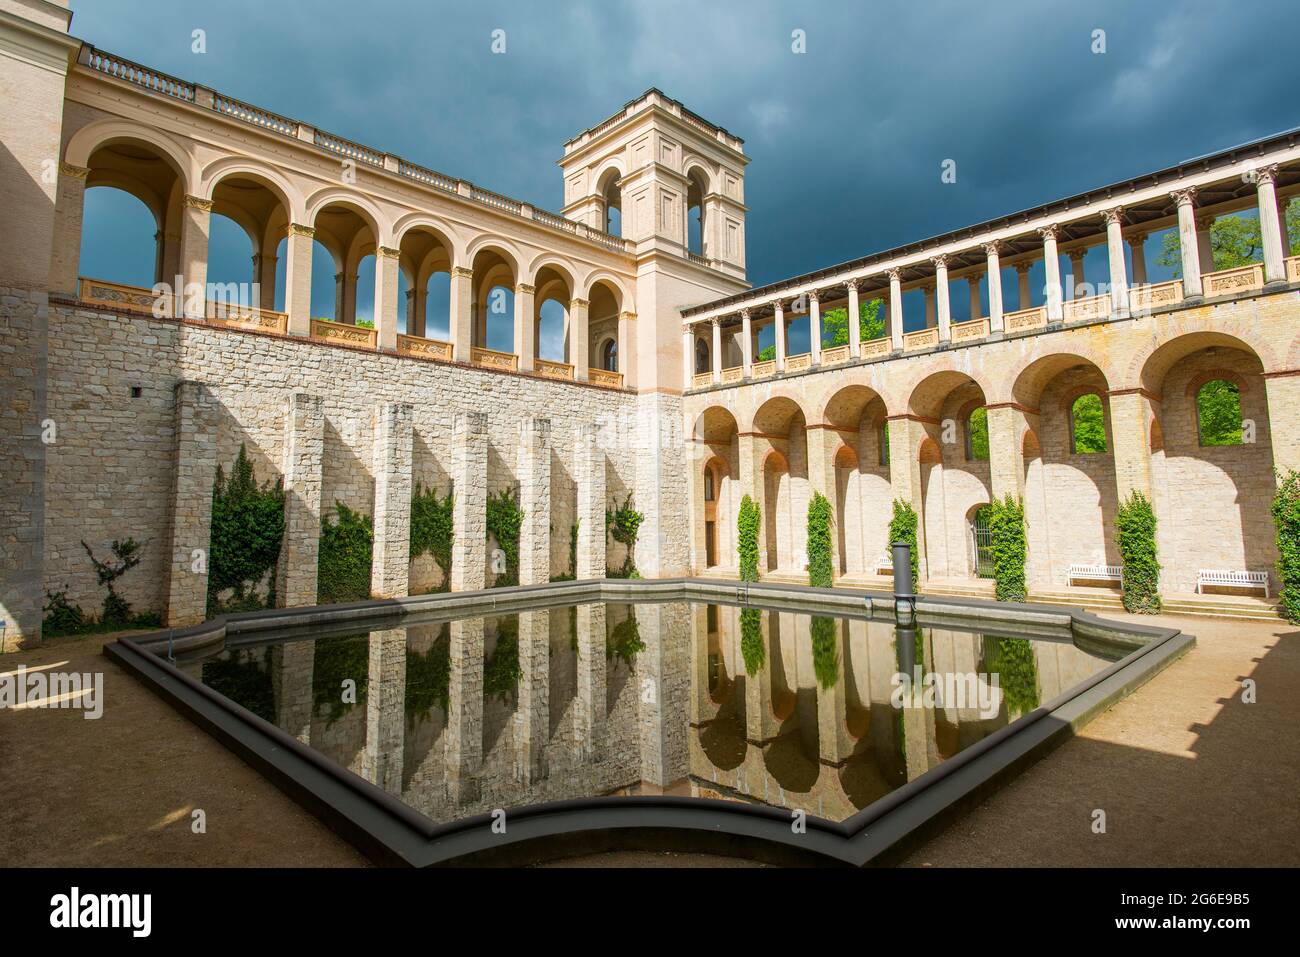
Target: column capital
(778, 307)
(814, 295)
(81, 172)
(1264, 174)
(410, 293)
(198, 202)
(993, 248)
(629, 316)
(855, 283)
(575, 303)
(387, 252)
(1049, 232)
(524, 289)
(1076, 255)
(1113, 216)
(744, 314)
(298, 229)
(1136, 238)
(462, 272)
(939, 262)
(1023, 267)
(715, 322)
(1184, 197)
(895, 275)
(1204, 222)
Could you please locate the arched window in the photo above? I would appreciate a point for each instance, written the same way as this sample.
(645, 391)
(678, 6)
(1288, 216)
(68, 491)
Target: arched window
(609, 355)
(977, 435)
(884, 442)
(695, 192)
(710, 492)
(701, 357)
(1087, 425)
(1218, 413)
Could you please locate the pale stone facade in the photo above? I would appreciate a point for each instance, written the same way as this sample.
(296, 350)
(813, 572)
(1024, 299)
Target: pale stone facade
(121, 402)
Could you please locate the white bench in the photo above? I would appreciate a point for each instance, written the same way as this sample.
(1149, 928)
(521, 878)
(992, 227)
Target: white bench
(1087, 572)
(885, 564)
(1232, 579)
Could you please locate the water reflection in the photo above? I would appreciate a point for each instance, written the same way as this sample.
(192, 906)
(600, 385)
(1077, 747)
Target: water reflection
(456, 718)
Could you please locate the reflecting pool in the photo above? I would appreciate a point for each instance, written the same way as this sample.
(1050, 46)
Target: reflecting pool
(827, 715)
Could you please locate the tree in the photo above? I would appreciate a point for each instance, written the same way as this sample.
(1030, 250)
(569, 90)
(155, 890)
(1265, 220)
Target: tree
(835, 327)
(1234, 241)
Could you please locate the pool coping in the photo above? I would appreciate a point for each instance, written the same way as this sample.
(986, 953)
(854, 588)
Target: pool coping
(391, 833)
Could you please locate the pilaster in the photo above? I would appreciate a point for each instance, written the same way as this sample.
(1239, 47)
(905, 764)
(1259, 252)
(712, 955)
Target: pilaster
(534, 473)
(304, 446)
(469, 507)
(391, 555)
(190, 527)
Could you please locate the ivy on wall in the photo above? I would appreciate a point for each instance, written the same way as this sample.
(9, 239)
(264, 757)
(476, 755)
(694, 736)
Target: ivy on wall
(902, 528)
(1135, 525)
(504, 520)
(572, 573)
(747, 522)
(821, 568)
(751, 640)
(346, 542)
(624, 524)
(1286, 520)
(431, 524)
(247, 530)
(1012, 659)
(1007, 530)
(62, 617)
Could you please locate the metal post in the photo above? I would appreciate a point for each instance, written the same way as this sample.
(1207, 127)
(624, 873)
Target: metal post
(904, 595)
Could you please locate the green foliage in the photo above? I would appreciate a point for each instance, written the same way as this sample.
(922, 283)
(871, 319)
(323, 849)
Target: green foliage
(1234, 241)
(504, 520)
(835, 323)
(244, 679)
(116, 613)
(1286, 520)
(1012, 659)
(977, 435)
(247, 529)
(431, 529)
(747, 522)
(751, 640)
(428, 678)
(1135, 525)
(1007, 530)
(821, 568)
(343, 570)
(365, 323)
(902, 528)
(335, 659)
(826, 650)
(1218, 413)
(502, 671)
(1088, 424)
(624, 640)
(62, 617)
(624, 524)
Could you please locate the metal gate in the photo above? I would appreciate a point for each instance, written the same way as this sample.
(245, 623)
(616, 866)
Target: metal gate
(981, 544)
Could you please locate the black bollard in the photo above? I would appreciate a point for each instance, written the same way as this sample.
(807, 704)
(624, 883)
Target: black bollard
(904, 596)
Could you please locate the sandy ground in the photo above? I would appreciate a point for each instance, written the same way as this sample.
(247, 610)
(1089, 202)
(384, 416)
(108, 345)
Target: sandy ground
(1187, 774)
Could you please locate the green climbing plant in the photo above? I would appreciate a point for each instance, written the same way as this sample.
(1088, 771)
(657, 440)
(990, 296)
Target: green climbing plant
(752, 649)
(504, 520)
(624, 640)
(1012, 660)
(1135, 525)
(624, 524)
(428, 677)
(247, 530)
(825, 650)
(431, 523)
(747, 522)
(1007, 530)
(902, 528)
(343, 569)
(821, 567)
(1286, 522)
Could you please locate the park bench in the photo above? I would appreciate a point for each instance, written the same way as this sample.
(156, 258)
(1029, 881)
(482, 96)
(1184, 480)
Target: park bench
(1231, 579)
(1091, 572)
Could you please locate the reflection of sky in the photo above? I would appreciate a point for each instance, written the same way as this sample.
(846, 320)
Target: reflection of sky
(846, 140)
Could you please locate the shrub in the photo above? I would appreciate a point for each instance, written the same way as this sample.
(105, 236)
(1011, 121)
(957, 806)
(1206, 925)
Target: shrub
(1007, 529)
(747, 522)
(902, 528)
(431, 523)
(1286, 519)
(821, 569)
(624, 524)
(117, 610)
(62, 617)
(343, 569)
(1135, 524)
(504, 520)
(247, 530)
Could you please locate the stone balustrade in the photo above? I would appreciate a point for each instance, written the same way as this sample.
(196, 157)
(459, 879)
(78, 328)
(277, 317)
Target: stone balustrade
(921, 339)
(425, 348)
(764, 369)
(1293, 269)
(1082, 310)
(341, 333)
(605, 378)
(733, 374)
(1155, 295)
(1024, 320)
(835, 355)
(966, 331)
(491, 359)
(1230, 282)
(549, 369)
(799, 363)
(875, 348)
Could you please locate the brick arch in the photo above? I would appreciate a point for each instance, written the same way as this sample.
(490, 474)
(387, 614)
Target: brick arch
(442, 231)
(926, 397)
(1032, 379)
(263, 174)
(929, 453)
(844, 408)
(1148, 366)
(358, 202)
(846, 458)
(775, 461)
(715, 424)
(1030, 448)
(502, 247)
(106, 132)
(1071, 396)
(1157, 435)
(775, 415)
(622, 295)
(1227, 375)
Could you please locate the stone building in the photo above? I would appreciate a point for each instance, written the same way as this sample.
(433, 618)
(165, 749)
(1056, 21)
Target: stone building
(120, 402)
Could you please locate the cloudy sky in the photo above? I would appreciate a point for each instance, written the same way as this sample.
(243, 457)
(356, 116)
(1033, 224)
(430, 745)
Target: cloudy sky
(846, 139)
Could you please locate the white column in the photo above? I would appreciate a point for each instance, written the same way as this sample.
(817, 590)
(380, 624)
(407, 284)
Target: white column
(855, 325)
(942, 304)
(895, 310)
(815, 326)
(716, 352)
(297, 278)
(1077, 276)
(1115, 250)
(1052, 272)
(688, 358)
(931, 310)
(1137, 252)
(193, 294)
(780, 335)
(1204, 243)
(746, 343)
(1024, 299)
(995, 287)
(579, 339)
(386, 269)
(1271, 229)
(1185, 198)
(973, 283)
(525, 327)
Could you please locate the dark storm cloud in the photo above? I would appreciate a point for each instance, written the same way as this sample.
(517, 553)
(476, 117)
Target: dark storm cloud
(846, 140)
